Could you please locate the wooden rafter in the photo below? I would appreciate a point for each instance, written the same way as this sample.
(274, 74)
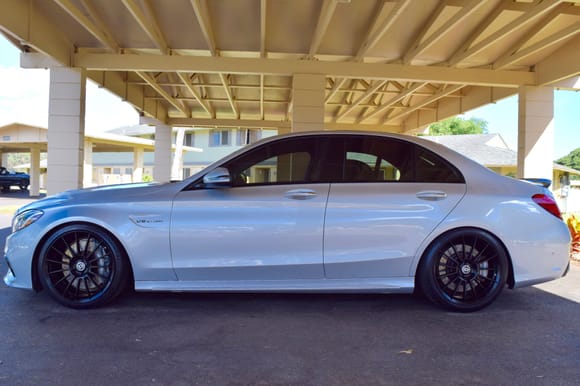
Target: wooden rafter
(148, 23)
(422, 44)
(392, 101)
(205, 104)
(380, 27)
(369, 92)
(263, 13)
(203, 18)
(225, 81)
(541, 45)
(522, 21)
(441, 94)
(161, 91)
(99, 33)
(326, 12)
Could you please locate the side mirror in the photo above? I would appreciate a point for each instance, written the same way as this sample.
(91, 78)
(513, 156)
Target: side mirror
(219, 177)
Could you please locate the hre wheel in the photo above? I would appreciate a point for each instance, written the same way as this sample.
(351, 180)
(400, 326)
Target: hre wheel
(464, 270)
(82, 266)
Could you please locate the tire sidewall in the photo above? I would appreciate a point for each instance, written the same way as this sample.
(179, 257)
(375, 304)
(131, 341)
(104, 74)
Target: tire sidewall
(428, 282)
(114, 286)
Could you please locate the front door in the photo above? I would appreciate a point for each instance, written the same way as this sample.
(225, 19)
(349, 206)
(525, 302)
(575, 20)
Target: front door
(268, 225)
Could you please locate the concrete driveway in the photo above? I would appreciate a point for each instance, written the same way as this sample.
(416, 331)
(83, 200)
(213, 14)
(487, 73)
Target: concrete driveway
(528, 336)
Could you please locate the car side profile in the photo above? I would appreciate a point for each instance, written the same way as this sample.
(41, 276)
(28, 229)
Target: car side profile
(309, 212)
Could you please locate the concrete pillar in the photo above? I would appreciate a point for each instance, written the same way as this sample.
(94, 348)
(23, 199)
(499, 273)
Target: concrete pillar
(4, 159)
(177, 166)
(308, 102)
(138, 163)
(535, 132)
(88, 165)
(34, 172)
(66, 129)
(162, 168)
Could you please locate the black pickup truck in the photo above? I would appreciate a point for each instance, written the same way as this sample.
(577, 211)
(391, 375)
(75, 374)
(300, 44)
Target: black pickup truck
(8, 179)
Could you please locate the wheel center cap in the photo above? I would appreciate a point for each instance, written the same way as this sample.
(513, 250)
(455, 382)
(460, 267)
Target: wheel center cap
(465, 269)
(80, 266)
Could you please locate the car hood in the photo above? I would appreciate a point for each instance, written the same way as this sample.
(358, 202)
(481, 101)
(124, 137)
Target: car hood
(107, 193)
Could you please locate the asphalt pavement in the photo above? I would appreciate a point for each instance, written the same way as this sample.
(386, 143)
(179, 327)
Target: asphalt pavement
(529, 336)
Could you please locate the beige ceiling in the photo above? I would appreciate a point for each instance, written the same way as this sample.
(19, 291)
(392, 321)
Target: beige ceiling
(389, 65)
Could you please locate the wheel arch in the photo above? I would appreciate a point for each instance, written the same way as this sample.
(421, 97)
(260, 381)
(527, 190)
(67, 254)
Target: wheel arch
(36, 283)
(427, 248)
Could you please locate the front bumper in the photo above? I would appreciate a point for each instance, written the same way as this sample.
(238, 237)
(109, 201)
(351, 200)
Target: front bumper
(18, 253)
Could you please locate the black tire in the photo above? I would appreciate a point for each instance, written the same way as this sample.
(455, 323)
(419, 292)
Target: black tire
(24, 185)
(464, 270)
(82, 266)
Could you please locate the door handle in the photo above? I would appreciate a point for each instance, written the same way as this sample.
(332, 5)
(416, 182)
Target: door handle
(432, 195)
(300, 194)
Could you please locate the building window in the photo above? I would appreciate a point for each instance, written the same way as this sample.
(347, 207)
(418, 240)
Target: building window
(248, 136)
(188, 139)
(220, 138)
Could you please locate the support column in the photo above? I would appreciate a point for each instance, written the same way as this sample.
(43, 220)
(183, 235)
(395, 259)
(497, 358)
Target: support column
(88, 165)
(162, 168)
(34, 189)
(308, 102)
(177, 166)
(536, 132)
(66, 129)
(138, 163)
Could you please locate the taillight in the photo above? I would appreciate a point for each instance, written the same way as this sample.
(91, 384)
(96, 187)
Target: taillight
(548, 203)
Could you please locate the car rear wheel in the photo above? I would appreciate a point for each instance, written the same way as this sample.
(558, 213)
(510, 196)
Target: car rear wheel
(464, 270)
(82, 266)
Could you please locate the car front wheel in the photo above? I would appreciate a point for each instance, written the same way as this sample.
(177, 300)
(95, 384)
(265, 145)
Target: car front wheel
(82, 266)
(464, 270)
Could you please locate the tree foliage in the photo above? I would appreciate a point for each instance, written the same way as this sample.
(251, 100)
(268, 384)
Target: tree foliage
(457, 125)
(571, 160)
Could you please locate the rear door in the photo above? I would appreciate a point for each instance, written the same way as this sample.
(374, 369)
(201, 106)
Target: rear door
(392, 194)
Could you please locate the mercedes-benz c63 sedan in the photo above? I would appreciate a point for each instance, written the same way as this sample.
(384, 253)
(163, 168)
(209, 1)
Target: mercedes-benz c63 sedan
(313, 212)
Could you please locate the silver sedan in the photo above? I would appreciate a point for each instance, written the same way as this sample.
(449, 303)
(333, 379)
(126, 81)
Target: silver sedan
(311, 212)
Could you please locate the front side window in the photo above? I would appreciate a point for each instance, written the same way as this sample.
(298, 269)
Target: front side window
(285, 162)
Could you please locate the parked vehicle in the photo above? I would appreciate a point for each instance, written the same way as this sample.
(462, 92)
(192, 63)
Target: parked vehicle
(9, 179)
(311, 212)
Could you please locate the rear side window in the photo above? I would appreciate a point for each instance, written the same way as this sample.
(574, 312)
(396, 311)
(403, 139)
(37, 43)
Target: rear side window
(429, 167)
(377, 159)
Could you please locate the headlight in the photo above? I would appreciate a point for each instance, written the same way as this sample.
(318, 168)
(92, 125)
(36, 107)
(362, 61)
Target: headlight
(24, 219)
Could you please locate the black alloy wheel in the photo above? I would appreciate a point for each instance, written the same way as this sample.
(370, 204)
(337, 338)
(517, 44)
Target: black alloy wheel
(82, 266)
(464, 270)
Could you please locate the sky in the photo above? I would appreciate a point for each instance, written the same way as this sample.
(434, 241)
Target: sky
(24, 99)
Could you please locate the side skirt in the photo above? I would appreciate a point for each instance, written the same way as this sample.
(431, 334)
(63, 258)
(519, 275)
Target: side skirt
(386, 285)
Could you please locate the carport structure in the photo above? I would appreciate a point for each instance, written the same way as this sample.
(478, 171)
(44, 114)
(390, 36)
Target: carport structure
(297, 65)
(21, 138)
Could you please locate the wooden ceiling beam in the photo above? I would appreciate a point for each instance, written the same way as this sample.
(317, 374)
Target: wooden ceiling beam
(148, 23)
(425, 102)
(422, 44)
(161, 91)
(326, 12)
(522, 21)
(103, 36)
(397, 98)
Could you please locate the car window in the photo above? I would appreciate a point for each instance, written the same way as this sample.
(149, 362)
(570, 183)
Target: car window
(284, 162)
(429, 167)
(376, 159)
